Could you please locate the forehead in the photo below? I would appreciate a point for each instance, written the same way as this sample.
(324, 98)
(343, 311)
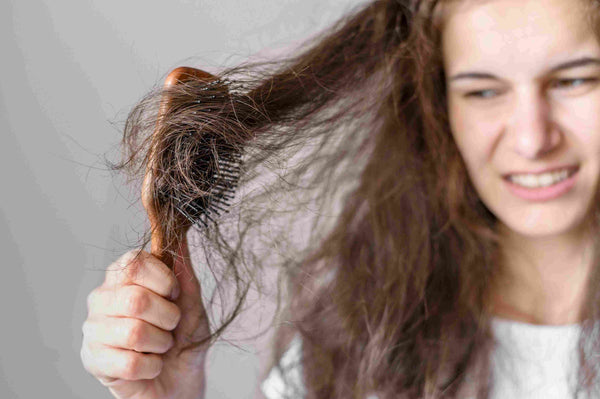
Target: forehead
(509, 34)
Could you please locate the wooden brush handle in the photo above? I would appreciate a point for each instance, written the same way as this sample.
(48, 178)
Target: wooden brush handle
(158, 246)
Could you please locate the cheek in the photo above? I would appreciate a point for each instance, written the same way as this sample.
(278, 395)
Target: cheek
(475, 135)
(580, 118)
(580, 115)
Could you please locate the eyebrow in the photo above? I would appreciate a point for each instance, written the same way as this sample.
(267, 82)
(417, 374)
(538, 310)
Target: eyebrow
(565, 65)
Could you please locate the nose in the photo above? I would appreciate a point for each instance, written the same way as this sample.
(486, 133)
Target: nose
(531, 126)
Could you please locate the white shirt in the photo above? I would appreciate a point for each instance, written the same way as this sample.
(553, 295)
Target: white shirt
(530, 362)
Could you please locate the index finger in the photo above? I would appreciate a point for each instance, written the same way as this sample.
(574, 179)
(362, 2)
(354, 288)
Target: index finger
(143, 269)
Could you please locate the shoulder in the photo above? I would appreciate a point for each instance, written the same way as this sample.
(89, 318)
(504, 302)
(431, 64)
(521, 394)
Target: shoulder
(285, 379)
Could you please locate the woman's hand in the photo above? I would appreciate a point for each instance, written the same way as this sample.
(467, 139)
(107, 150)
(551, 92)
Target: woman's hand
(139, 321)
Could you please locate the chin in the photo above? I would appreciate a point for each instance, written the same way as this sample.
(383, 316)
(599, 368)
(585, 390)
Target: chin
(540, 226)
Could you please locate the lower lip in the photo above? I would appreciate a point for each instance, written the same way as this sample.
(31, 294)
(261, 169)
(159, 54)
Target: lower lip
(543, 193)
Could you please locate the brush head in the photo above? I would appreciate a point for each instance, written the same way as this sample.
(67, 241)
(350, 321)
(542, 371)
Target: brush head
(192, 171)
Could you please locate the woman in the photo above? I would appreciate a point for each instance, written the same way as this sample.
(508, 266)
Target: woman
(468, 134)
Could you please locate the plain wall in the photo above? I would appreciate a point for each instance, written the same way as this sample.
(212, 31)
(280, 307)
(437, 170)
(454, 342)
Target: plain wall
(70, 71)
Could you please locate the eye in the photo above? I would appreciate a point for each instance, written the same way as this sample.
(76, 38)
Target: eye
(482, 94)
(572, 83)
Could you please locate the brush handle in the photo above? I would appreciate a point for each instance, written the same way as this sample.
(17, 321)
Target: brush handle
(179, 75)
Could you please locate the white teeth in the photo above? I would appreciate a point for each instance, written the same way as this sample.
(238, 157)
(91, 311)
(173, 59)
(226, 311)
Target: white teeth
(542, 180)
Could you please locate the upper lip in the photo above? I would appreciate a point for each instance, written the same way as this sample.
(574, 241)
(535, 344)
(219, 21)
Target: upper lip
(571, 168)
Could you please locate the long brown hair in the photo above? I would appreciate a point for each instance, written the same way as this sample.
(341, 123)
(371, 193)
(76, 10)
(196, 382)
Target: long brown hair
(388, 267)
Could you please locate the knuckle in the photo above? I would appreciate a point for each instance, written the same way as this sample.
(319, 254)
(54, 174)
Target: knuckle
(135, 335)
(165, 273)
(86, 328)
(126, 267)
(132, 263)
(88, 360)
(91, 299)
(133, 256)
(132, 366)
(84, 358)
(136, 301)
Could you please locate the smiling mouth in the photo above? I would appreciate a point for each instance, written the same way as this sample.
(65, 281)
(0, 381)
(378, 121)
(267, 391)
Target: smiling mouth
(541, 179)
(546, 186)
(545, 179)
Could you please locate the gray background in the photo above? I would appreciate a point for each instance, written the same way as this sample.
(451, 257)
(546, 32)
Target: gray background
(70, 71)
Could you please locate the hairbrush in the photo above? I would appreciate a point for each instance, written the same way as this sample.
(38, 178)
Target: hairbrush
(215, 165)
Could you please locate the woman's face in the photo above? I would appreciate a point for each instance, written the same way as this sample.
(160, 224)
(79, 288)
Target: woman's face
(523, 89)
